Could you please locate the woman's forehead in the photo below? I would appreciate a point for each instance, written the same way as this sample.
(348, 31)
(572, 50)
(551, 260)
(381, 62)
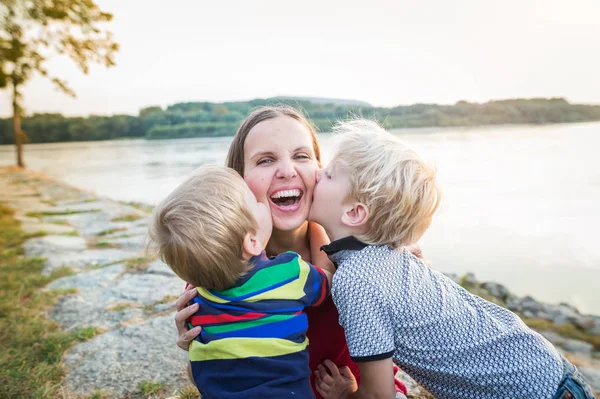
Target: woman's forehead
(281, 133)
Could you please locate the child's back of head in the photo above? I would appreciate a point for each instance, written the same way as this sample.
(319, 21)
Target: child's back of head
(397, 186)
(198, 229)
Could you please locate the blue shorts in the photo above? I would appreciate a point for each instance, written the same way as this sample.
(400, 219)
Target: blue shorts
(572, 385)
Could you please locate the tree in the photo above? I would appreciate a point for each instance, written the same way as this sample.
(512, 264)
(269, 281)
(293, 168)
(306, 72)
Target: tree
(33, 31)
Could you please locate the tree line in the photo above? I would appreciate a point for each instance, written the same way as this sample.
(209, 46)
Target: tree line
(206, 119)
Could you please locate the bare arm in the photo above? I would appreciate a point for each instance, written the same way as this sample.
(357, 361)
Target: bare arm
(318, 238)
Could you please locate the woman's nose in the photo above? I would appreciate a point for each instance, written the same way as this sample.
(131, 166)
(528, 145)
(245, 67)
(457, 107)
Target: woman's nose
(286, 170)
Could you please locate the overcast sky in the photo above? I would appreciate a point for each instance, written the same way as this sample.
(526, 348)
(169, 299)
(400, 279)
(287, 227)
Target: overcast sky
(384, 52)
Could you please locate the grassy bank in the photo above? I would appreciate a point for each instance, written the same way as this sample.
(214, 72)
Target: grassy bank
(31, 344)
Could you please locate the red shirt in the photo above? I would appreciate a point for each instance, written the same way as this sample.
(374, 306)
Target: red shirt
(326, 340)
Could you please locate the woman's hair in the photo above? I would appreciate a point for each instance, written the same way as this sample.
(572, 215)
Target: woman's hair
(235, 157)
(199, 229)
(398, 187)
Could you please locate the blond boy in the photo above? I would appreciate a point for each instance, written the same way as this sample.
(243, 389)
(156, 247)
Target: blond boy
(212, 232)
(375, 197)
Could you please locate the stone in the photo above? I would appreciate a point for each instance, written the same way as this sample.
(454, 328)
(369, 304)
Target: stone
(88, 258)
(50, 228)
(554, 338)
(575, 345)
(469, 278)
(46, 245)
(117, 361)
(497, 290)
(528, 303)
(160, 267)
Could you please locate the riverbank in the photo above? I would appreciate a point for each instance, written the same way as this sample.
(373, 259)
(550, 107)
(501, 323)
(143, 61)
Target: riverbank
(111, 308)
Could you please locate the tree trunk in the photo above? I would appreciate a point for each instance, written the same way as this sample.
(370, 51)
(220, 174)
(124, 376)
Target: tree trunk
(17, 126)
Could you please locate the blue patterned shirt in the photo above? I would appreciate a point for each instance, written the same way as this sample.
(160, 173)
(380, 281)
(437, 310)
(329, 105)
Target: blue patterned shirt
(454, 343)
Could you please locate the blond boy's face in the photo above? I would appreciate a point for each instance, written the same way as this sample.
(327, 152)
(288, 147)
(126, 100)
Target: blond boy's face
(263, 217)
(330, 196)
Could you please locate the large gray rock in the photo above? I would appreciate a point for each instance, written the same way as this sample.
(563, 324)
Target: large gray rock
(44, 246)
(87, 258)
(574, 345)
(497, 290)
(119, 360)
(107, 298)
(50, 228)
(160, 267)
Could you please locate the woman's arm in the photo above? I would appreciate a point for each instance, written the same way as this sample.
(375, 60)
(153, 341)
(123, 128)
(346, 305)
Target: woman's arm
(184, 312)
(317, 239)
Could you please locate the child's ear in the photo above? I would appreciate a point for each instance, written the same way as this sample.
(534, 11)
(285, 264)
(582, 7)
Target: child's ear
(251, 246)
(356, 216)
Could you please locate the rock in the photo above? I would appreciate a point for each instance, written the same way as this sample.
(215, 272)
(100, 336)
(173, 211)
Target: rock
(530, 304)
(133, 242)
(469, 278)
(574, 345)
(514, 303)
(553, 337)
(43, 246)
(497, 290)
(91, 280)
(50, 228)
(119, 360)
(160, 267)
(411, 385)
(592, 377)
(88, 258)
(142, 288)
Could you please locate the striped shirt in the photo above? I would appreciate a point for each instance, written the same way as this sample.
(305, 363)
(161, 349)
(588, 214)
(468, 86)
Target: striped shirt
(253, 340)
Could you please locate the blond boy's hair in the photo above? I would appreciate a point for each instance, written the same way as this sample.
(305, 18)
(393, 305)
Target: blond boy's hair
(397, 186)
(199, 229)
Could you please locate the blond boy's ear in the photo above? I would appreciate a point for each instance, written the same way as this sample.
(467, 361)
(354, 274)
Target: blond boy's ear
(356, 216)
(251, 246)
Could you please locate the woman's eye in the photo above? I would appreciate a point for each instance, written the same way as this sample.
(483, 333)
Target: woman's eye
(302, 156)
(264, 161)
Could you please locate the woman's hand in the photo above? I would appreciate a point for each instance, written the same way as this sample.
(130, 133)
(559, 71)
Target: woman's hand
(335, 384)
(184, 312)
(415, 249)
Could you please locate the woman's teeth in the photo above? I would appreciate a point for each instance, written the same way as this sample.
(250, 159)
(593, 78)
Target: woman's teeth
(287, 197)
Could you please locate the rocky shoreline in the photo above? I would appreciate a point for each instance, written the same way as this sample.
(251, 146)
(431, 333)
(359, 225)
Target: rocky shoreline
(129, 298)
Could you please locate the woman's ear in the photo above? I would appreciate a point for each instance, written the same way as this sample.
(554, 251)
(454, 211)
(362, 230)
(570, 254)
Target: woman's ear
(356, 216)
(251, 246)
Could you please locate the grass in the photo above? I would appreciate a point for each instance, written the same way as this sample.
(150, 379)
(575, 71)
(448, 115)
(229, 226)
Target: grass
(130, 217)
(111, 231)
(564, 330)
(137, 264)
(31, 345)
(188, 392)
(142, 207)
(59, 213)
(149, 388)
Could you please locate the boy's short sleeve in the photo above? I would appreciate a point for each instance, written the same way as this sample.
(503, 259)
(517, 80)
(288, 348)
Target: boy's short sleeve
(364, 315)
(316, 287)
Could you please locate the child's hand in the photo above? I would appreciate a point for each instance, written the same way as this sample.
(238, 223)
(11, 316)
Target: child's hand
(335, 384)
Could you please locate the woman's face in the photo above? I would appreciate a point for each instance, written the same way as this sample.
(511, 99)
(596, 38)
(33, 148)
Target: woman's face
(280, 168)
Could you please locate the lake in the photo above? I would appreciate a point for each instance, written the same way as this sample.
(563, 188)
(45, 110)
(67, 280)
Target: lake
(520, 202)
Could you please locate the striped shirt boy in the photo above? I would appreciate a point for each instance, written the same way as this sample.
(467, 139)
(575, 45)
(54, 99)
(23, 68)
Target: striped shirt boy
(253, 340)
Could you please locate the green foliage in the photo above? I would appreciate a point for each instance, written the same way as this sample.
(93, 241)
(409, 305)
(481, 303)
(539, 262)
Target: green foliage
(31, 30)
(151, 387)
(204, 119)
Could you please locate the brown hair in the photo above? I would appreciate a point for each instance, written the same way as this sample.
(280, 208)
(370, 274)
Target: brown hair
(235, 157)
(199, 229)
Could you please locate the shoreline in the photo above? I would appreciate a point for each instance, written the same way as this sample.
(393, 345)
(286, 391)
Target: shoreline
(129, 298)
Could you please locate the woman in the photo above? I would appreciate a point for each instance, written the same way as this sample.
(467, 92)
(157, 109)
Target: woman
(277, 152)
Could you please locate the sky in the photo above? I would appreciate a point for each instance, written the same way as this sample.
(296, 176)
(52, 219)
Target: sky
(386, 53)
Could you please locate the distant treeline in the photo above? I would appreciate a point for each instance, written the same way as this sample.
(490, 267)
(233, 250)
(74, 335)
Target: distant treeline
(205, 119)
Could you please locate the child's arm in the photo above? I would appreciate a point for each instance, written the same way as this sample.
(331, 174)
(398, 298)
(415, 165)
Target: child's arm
(376, 381)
